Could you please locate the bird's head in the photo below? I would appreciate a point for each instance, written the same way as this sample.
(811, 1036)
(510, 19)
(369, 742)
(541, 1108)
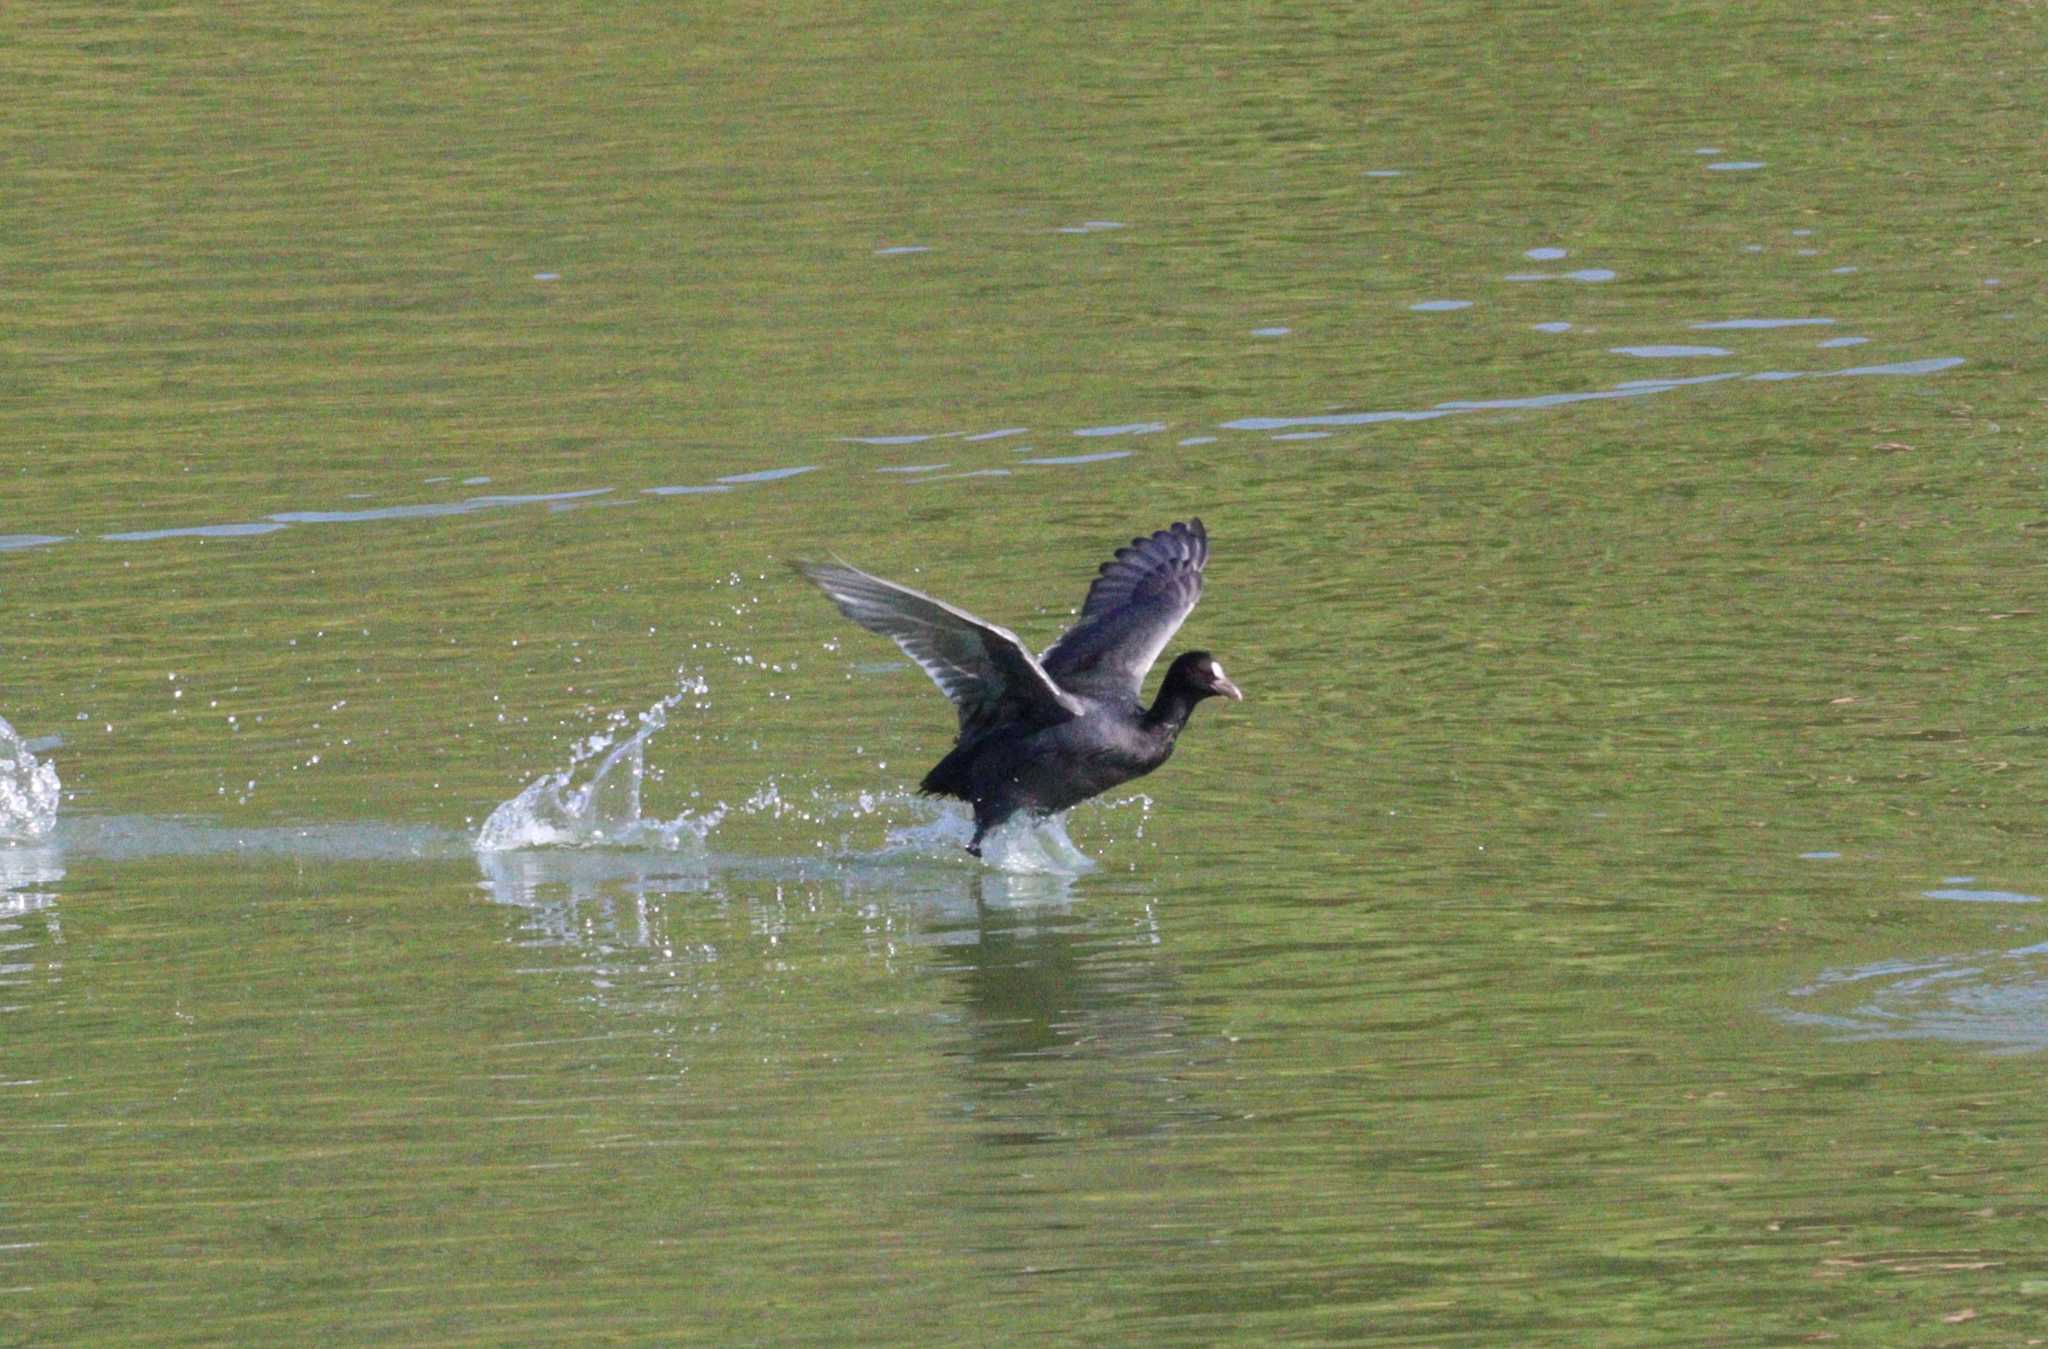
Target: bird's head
(1201, 674)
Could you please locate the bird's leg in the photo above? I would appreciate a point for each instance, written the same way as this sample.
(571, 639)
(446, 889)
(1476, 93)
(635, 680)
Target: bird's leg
(983, 822)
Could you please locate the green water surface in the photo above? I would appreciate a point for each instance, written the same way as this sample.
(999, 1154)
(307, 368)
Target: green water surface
(1613, 917)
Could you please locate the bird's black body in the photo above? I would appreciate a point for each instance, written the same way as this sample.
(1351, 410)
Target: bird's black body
(1045, 735)
(1046, 769)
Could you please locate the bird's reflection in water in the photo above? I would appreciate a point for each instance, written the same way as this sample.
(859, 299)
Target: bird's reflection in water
(1061, 1009)
(1069, 1017)
(592, 897)
(30, 927)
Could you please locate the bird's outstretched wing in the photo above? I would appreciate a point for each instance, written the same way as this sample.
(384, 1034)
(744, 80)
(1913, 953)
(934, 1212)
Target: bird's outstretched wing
(1135, 606)
(981, 666)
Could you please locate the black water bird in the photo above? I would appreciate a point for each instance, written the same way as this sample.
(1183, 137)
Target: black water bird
(1045, 734)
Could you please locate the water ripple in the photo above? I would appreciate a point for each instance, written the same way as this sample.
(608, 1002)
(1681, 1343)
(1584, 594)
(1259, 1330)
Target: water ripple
(1590, 274)
(1100, 457)
(927, 472)
(1718, 324)
(1327, 419)
(770, 474)
(1965, 896)
(1992, 998)
(236, 531)
(1128, 429)
(1932, 365)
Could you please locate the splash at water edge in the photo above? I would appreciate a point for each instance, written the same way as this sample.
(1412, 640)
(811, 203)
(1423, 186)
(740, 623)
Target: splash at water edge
(595, 801)
(28, 790)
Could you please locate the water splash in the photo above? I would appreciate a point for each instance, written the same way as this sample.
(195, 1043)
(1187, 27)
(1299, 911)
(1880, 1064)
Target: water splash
(595, 801)
(1025, 845)
(28, 790)
(1032, 846)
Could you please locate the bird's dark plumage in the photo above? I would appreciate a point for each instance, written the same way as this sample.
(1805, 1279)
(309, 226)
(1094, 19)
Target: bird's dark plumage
(1045, 734)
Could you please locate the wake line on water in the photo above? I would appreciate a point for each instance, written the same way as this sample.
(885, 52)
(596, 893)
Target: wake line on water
(585, 822)
(1635, 388)
(593, 495)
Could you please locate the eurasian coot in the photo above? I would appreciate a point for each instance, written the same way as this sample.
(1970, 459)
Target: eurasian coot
(1044, 735)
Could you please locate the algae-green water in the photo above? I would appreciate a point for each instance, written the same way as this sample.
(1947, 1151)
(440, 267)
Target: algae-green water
(1613, 917)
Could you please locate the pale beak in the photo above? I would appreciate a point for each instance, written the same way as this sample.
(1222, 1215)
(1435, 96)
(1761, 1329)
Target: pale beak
(1229, 690)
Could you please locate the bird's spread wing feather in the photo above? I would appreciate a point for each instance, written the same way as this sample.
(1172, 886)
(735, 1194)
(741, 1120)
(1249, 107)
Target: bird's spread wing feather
(1132, 611)
(981, 666)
